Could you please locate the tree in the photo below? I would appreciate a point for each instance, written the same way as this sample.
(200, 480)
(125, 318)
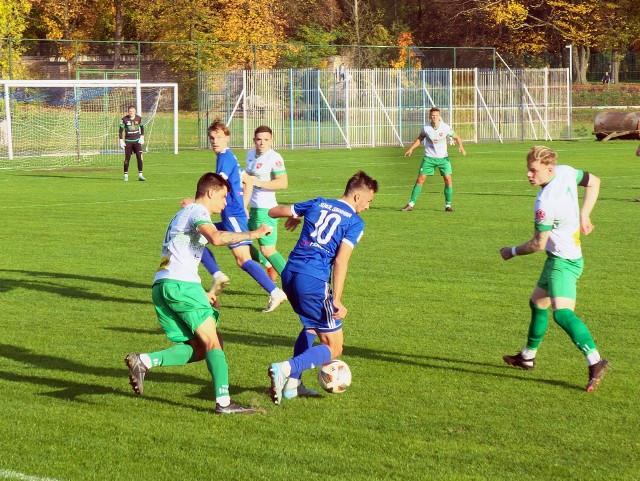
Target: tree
(251, 22)
(13, 21)
(74, 20)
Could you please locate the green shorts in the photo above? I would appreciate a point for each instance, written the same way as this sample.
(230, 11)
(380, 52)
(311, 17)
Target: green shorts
(181, 308)
(257, 217)
(429, 164)
(560, 276)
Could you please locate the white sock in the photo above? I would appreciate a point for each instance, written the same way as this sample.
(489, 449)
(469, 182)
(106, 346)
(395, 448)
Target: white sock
(276, 292)
(146, 360)
(593, 358)
(528, 354)
(292, 383)
(224, 401)
(285, 367)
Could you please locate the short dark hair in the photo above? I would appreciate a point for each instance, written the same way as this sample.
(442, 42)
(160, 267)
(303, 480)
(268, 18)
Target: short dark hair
(434, 109)
(360, 180)
(211, 180)
(132, 107)
(218, 124)
(261, 129)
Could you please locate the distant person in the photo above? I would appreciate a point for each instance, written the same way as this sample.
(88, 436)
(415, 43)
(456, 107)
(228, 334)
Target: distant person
(606, 78)
(234, 219)
(331, 229)
(133, 129)
(341, 72)
(267, 174)
(558, 222)
(183, 307)
(434, 135)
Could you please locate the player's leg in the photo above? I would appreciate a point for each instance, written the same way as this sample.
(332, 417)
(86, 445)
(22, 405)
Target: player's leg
(181, 308)
(563, 282)
(137, 148)
(268, 243)
(242, 254)
(539, 305)
(426, 169)
(219, 279)
(294, 386)
(447, 172)
(127, 158)
(218, 368)
(311, 299)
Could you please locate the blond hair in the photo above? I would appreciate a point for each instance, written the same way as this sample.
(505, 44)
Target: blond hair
(542, 154)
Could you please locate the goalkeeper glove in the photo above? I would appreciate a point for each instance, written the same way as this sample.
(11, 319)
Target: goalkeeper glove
(141, 140)
(121, 144)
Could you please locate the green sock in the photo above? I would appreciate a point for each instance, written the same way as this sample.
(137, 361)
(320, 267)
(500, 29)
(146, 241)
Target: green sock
(577, 330)
(278, 262)
(448, 194)
(257, 256)
(177, 355)
(415, 193)
(217, 365)
(538, 326)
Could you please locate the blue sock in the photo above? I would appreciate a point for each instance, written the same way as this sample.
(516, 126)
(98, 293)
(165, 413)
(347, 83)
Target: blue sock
(312, 357)
(252, 268)
(209, 262)
(303, 343)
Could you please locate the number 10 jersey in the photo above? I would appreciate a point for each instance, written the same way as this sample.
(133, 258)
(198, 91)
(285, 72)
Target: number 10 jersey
(327, 224)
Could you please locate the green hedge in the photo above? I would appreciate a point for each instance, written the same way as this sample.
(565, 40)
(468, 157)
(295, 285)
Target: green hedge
(603, 95)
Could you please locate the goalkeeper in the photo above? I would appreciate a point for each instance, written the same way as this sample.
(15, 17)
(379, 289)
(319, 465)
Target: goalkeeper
(133, 130)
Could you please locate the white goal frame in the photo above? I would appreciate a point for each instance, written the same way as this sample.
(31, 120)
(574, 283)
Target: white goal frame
(173, 86)
(6, 85)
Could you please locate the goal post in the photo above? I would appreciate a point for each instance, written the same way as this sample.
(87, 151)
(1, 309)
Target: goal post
(58, 123)
(160, 105)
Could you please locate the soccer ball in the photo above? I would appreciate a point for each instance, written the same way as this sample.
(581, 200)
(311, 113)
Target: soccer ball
(334, 376)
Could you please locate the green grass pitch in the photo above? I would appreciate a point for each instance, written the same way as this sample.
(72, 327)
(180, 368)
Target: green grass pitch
(432, 308)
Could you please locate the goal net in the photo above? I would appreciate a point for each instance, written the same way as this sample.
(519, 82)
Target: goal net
(57, 123)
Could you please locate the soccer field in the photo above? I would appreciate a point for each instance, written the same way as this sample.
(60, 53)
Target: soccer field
(432, 309)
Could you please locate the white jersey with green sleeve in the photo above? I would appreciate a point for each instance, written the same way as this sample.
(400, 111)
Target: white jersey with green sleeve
(435, 140)
(183, 245)
(266, 167)
(557, 210)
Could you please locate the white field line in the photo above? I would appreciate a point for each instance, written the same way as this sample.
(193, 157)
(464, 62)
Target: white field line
(8, 474)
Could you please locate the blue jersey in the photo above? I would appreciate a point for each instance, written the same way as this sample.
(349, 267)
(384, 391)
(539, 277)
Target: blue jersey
(227, 166)
(327, 223)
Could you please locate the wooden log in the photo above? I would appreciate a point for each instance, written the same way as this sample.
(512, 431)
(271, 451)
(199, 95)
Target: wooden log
(619, 125)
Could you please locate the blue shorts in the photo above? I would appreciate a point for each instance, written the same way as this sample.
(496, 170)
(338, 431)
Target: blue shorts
(234, 224)
(312, 300)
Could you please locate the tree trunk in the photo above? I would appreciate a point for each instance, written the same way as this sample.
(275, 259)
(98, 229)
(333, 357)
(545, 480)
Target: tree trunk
(582, 63)
(616, 57)
(118, 36)
(356, 21)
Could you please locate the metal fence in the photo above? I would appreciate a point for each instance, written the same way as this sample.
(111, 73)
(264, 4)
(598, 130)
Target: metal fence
(372, 107)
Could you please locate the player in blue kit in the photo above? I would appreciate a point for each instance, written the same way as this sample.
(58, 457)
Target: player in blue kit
(234, 219)
(331, 230)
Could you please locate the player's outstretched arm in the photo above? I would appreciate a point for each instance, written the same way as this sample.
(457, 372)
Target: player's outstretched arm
(281, 211)
(591, 192)
(537, 243)
(222, 238)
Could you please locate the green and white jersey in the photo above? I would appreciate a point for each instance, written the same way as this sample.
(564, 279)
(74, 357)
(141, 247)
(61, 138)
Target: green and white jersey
(266, 167)
(435, 140)
(557, 210)
(183, 245)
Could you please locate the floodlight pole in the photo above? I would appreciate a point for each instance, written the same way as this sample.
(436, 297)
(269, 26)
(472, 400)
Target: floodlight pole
(570, 88)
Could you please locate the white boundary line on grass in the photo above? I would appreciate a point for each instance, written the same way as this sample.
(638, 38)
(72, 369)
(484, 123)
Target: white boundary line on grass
(8, 474)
